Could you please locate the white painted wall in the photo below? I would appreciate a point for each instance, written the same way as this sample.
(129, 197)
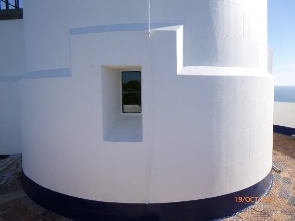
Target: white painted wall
(12, 48)
(216, 33)
(12, 66)
(206, 129)
(10, 136)
(111, 103)
(284, 114)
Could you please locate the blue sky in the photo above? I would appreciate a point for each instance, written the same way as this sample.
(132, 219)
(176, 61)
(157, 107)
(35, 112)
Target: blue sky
(11, 2)
(281, 40)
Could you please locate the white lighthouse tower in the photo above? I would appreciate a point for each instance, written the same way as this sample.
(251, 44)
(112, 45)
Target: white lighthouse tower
(156, 110)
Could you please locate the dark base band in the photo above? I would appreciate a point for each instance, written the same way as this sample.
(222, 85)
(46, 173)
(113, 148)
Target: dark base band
(3, 157)
(283, 130)
(204, 209)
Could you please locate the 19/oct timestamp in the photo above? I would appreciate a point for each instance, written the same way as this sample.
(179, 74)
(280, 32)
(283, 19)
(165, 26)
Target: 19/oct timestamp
(254, 199)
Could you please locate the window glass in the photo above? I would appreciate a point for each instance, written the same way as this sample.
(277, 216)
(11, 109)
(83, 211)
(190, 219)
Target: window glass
(131, 91)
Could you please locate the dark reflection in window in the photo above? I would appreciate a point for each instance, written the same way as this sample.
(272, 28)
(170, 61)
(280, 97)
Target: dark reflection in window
(131, 91)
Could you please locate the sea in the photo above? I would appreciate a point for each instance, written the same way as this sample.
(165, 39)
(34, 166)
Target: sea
(285, 94)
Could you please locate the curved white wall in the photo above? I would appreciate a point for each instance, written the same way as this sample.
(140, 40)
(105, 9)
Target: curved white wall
(206, 129)
(12, 67)
(216, 33)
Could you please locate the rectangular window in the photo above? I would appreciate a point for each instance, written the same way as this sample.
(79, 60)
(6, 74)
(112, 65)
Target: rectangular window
(131, 91)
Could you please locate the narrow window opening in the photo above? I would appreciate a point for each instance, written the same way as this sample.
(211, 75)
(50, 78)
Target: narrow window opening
(131, 91)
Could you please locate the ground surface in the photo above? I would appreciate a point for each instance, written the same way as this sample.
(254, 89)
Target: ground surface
(15, 205)
(280, 202)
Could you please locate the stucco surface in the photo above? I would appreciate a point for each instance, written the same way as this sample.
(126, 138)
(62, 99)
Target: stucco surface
(207, 99)
(12, 67)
